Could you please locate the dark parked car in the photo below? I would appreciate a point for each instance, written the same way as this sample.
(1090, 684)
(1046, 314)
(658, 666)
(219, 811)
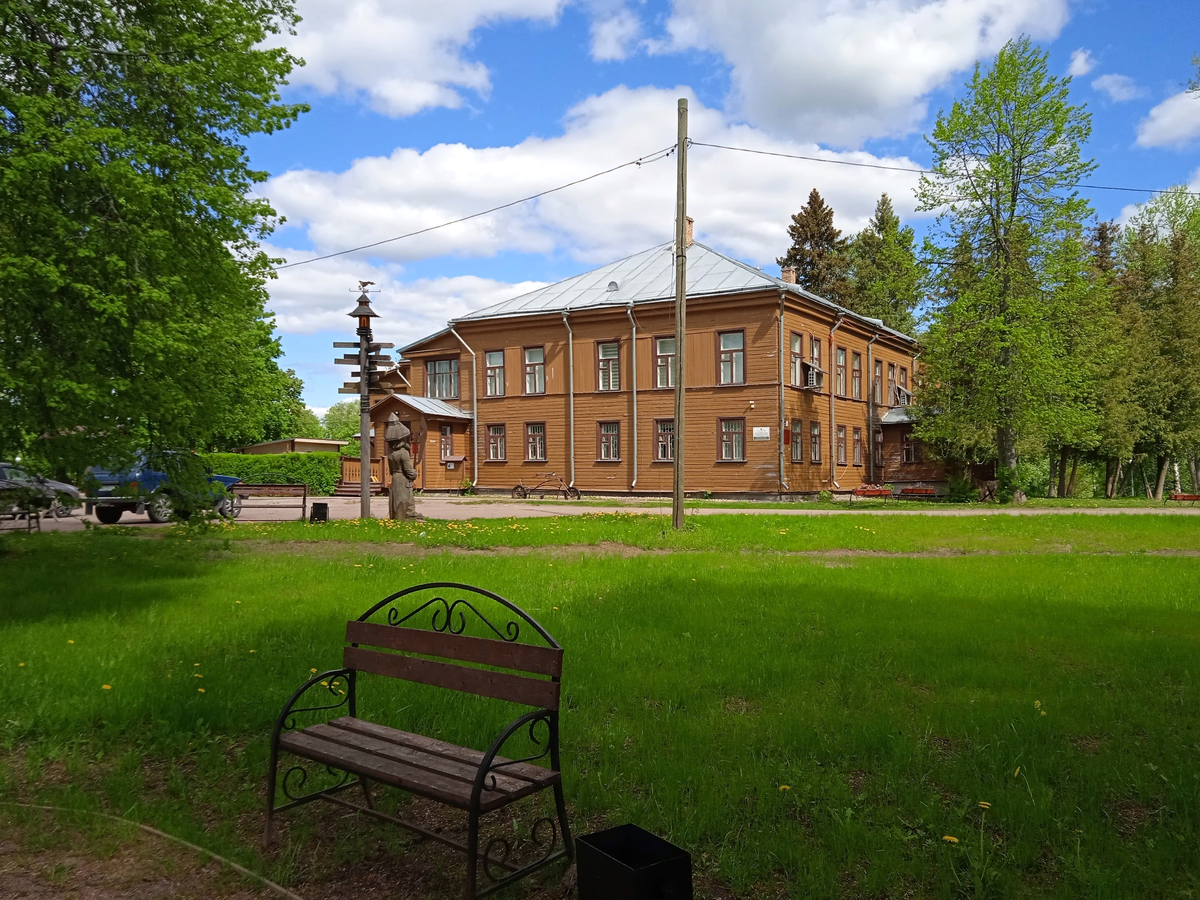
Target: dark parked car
(61, 498)
(173, 482)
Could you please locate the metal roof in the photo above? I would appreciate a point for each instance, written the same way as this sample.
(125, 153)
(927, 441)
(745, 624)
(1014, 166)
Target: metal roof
(897, 415)
(649, 277)
(428, 406)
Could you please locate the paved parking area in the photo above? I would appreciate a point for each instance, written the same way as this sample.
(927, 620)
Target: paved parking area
(448, 507)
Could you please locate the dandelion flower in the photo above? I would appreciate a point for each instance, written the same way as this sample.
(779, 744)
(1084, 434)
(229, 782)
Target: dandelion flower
(314, 671)
(20, 665)
(197, 675)
(1043, 712)
(70, 642)
(106, 687)
(984, 804)
(195, 664)
(201, 690)
(253, 651)
(1037, 704)
(1018, 772)
(949, 838)
(785, 787)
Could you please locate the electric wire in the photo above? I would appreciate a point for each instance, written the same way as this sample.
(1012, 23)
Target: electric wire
(862, 165)
(640, 161)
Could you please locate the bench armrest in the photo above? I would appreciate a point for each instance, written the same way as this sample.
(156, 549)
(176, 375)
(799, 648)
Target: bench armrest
(529, 722)
(339, 683)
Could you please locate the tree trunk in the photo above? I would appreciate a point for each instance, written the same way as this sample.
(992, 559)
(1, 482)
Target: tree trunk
(1194, 467)
(1052, 487)
(1006, 461)
(1062, 471)
(1112, 477)
(1178, 480)
(1162, 477)
(1074, 469)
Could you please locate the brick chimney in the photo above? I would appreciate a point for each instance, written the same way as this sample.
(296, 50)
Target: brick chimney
(691, 225)
(789, 274)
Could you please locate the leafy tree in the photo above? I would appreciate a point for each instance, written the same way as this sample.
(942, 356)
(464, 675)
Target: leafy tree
(1005, 159)
(818, 250)
(885, 276)
(1159, 289)
(342, 420)
(133, 312)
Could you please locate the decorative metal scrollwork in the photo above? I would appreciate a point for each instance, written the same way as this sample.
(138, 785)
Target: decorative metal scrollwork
(540, 842)
(544, 743)
(444, 619)
(297, 776)
(338, 687)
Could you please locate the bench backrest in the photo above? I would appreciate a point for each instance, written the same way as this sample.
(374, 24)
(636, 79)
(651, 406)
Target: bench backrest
(390, 648)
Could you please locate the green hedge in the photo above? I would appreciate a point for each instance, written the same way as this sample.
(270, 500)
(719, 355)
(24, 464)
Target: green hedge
(320, 471)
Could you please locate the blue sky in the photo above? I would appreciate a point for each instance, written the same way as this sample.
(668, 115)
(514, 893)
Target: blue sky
(422, 113)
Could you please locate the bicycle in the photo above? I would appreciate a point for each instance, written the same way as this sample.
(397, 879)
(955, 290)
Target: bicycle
(550, 483)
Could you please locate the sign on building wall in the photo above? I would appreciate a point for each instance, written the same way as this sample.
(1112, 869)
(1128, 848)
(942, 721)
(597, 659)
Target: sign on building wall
(761, 433)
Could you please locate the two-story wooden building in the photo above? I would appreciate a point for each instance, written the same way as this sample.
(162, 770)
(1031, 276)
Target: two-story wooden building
(786, 392)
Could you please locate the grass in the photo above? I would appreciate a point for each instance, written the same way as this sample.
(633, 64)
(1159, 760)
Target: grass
(736, 533)
(816, 724)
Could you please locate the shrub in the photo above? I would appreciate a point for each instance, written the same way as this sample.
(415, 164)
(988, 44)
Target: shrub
(320, 471)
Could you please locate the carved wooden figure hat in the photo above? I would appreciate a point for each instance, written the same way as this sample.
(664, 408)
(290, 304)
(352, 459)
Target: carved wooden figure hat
(396, 430)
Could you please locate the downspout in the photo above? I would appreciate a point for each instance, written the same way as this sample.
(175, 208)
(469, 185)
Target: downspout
(783, 485)
(633, 371)
(832, 409)
(474, 408)
(871, 406)
(571, 389)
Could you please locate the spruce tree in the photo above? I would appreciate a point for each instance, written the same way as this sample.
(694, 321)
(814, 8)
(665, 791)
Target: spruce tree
(818, 250)
(885, 275)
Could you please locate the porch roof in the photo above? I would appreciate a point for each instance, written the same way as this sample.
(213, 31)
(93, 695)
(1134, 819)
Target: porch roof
(428, 406)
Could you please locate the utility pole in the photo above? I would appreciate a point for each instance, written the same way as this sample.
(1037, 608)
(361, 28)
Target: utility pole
(367, 359)
(680, 308)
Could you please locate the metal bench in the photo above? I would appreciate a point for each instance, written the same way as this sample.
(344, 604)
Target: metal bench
(917, 493)
(869, 491)
(1185, 498)
(269, 486)
(354, 751)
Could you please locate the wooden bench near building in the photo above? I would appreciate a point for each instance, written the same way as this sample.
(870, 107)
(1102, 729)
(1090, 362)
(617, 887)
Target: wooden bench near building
(271, 486)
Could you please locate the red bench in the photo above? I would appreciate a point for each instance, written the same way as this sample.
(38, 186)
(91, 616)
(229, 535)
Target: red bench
(871, 491)
(1185, 498)
(917, 493)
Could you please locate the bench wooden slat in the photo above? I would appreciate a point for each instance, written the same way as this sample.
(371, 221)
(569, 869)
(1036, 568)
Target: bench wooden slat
(270, 490)
(481, 682)
(525, 657)
(418, 781)
(528, 771)
(419, 759)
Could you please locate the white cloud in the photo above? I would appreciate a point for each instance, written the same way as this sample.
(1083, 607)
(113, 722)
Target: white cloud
(1118, 87)
(402, 55)
(318, 296)
(741, 203)
(614, 34)
(1173, 123)
(842, 72)
(318, 411)
(1082, 62)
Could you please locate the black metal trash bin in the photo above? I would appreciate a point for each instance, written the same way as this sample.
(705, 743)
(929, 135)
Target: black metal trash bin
(319, 513)
(629, 863)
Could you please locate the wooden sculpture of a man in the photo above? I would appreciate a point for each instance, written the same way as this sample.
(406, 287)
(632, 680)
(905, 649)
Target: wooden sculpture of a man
(400, 495)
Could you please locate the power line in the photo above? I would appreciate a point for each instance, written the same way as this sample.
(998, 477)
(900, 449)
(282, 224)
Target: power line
(641, 160)
(862, 165)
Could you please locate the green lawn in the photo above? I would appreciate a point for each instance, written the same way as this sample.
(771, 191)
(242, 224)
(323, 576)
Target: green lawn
(820, 723)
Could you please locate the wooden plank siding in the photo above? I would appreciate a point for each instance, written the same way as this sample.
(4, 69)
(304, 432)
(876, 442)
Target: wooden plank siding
(756, 400)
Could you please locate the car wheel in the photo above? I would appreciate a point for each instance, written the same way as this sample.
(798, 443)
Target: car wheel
(109, 515)
(160, 508)
(230, 506)
(519, 492)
